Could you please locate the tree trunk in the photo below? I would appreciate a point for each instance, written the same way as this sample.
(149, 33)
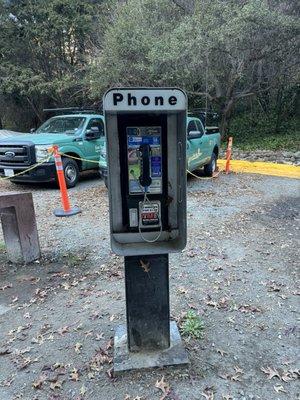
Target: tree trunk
(226, 112)
(34, 109)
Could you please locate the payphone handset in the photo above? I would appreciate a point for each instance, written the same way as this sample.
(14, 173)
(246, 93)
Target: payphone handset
(144, 157)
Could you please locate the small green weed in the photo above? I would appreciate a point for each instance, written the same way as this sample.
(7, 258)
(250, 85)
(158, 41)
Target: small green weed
(74, 260)
(192, 325)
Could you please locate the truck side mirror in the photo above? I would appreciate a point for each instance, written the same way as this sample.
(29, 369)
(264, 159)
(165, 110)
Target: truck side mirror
(92, 133)
(195, 134)
(32, 130)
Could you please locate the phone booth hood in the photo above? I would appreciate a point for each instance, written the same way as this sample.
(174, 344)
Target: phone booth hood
(146, 153)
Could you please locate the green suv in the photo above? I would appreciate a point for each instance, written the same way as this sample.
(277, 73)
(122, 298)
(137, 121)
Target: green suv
(76, 135)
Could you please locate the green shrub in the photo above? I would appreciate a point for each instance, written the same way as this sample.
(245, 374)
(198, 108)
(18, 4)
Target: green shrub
(251, 133)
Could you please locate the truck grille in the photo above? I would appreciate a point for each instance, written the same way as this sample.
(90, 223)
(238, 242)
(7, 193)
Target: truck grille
(17, 154)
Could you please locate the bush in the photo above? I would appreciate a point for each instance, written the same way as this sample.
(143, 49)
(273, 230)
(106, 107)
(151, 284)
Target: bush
(259, 132)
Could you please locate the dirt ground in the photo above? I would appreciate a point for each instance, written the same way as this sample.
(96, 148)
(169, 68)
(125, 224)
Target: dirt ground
(238, 272)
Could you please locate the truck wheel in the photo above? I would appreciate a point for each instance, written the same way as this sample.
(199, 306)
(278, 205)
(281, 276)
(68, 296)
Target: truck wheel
(71, 172)
(210, 168)
(106, 182)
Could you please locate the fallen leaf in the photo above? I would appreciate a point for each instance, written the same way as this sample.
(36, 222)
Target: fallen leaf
(109, 344)
(182, 290)
(110, 373)
(56, 385)
(8, 286)
(270, 372)
(74, 375)
(78, 347)
(246, 308)
(63, 330)
(39, 382)
(235, 378)
(209, 395)
(238, 370)
(163, 386)
(66, 286)
(82, 390)
(279, 388)
(7, 382)
(4, 351)
(145, 266)
(224, 376)
(286, 377)
(222, 352)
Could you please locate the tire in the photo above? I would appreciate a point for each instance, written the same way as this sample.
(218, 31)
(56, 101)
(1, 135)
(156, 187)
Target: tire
(210, 168)
(71, 172)
(16, 182)
(106, 182)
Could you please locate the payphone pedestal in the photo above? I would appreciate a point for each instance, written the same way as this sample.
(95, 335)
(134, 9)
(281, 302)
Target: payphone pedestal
(149, 339)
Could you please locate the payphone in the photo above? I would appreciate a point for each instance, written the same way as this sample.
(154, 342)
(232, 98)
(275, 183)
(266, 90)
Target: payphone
(146, 150)
(146, 142)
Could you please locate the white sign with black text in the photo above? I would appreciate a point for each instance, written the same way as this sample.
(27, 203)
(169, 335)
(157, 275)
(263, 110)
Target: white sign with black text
(145, 100)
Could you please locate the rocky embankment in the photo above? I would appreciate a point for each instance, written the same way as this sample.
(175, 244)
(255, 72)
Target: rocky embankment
(281, 157)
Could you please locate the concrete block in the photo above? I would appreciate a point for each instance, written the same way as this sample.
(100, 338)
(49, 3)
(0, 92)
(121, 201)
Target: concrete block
(125, 360)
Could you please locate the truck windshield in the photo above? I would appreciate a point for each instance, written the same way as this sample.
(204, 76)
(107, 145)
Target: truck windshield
(69, 125)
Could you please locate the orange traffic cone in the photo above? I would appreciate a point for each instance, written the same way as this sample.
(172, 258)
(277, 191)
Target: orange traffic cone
(67, 210)
(228, 155)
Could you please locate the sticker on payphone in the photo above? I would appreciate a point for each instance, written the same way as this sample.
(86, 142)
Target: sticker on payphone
(149, 214)
(136, 137)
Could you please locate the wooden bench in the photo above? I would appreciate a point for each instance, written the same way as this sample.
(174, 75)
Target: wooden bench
(19, 227)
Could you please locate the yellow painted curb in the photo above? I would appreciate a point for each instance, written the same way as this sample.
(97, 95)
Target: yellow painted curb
(264, 168)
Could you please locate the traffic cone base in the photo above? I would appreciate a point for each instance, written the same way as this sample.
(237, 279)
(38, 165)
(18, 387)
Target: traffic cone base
(59, 212)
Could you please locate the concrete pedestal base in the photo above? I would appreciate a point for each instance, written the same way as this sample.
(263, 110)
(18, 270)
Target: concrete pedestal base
(124, 360)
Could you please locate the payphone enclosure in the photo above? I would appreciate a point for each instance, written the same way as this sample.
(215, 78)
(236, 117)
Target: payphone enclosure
(146, 152)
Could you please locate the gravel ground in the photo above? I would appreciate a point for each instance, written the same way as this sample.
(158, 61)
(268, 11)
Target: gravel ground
(238, 272)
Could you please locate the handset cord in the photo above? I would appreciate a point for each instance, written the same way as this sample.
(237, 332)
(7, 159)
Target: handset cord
(144, 202)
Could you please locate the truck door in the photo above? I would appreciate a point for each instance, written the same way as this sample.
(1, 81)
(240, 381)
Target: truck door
(194, 151)
(204, 144)
(93, 137)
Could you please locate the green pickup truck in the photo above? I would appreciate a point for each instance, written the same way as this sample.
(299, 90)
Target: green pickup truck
(203, 146)
(77, 135)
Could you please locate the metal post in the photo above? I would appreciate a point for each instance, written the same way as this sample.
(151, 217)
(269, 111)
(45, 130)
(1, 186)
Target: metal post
(147, 302)
(149, 339)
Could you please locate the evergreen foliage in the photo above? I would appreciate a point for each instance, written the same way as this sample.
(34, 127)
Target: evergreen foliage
(239, 57)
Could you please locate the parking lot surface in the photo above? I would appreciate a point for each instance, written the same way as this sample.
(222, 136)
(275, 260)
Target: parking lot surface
(238, 273)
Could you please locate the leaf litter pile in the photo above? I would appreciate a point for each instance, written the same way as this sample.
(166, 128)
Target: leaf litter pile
(233, 293)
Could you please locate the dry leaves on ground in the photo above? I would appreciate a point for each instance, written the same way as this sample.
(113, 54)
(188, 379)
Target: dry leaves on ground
(285, 376)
